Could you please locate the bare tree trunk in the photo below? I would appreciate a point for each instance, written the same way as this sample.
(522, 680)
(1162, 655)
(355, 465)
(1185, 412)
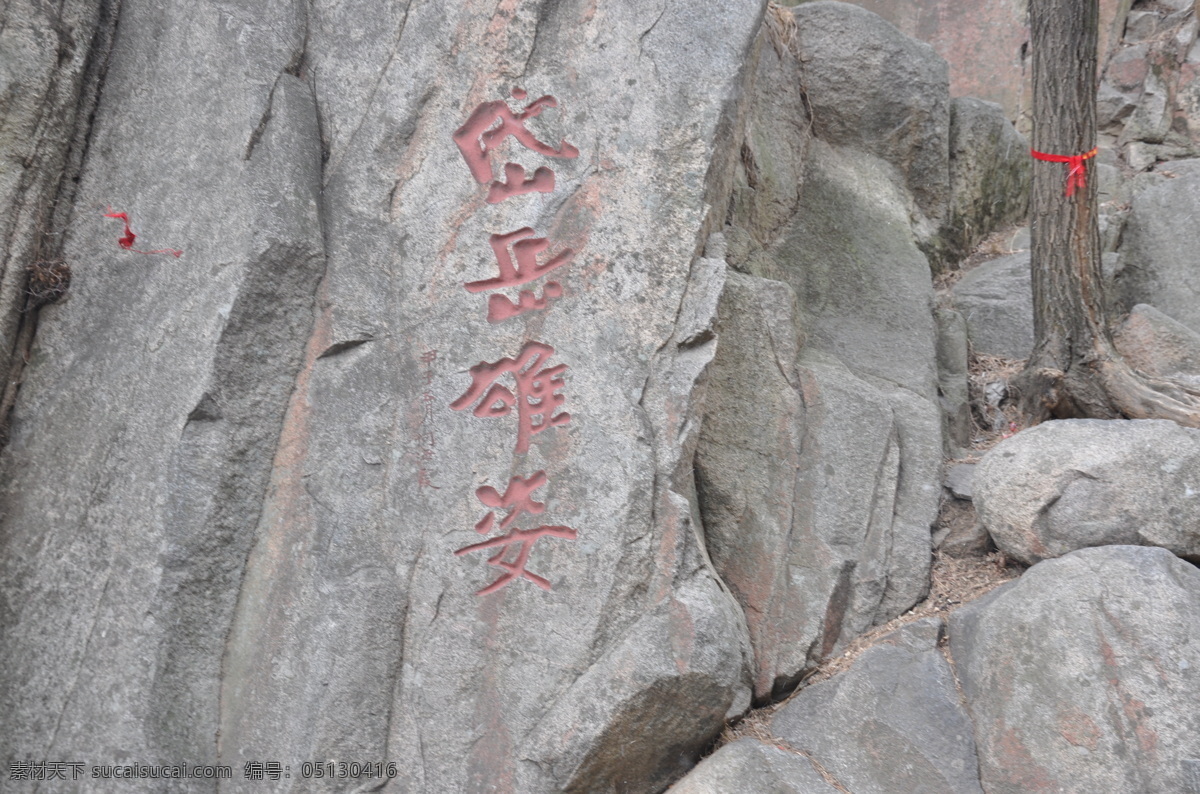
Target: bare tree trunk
(1074, 370)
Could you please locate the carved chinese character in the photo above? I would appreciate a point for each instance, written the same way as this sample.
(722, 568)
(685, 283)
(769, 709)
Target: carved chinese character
(536, 395)
(517, 499)
(525, 249)
(488, 126)
(523, 539)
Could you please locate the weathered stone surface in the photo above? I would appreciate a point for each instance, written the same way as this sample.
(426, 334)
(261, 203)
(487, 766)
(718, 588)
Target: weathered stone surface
(233, 497)
(864, 286)
(1114, 106)
(982, 42)
(892, 722)
(1157, 345)
(1150, 120)
(750, 765)
(1074, 483)
(799, 470)
(770, 170)
(1082, 675)
(989, 174)
(1187, 95)
(996, 298)
(968, 538)
(51, 62)
(865, 291)
(985, 43)
(953, 394)
(818, 492)
(959, 480)
(1148, 92)
(1158, 248)
(873, 88)
(144, 434)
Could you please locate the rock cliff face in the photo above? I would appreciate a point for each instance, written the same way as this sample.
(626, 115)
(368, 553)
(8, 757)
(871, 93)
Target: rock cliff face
(236, 484)
(513, 392)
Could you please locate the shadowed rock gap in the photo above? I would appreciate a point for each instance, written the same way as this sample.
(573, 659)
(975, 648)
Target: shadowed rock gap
(42, 204)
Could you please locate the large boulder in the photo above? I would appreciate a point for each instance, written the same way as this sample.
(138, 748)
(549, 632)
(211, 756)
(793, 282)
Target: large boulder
(750, 765)
(980, 42)
(990, 169)
(996, 299)
(1157, 345)
(1084, 674)
(236, 484)
(1159, 244)
(769, 174)
(1074, 483)
(863, 284)
(873, 88)
(799, 468)
(820, 455)
(867, 300)
(892, 722)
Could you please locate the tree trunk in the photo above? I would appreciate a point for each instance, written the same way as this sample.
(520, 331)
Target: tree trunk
(1074, 369)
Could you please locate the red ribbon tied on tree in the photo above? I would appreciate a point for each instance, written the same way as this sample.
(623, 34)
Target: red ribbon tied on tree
(1076, 172)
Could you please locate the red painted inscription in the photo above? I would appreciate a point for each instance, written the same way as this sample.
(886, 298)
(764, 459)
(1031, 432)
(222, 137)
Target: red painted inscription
(536, 395)
(523, 539)
(488, 126)
(517, 499)
(525, 250)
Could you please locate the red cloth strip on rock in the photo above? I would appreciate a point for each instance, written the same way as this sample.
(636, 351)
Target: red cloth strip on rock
(1076, 172)
(126, 242)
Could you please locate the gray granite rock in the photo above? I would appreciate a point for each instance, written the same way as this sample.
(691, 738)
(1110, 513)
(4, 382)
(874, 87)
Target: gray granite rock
(236, 486)
(818, 493)
(1187, 95)
(769, 173)
(996, 298)
(806, 511)
(990, 169)
(865, 294)
(1084, 674)
(1159, 244)
(1150, 120)
(864, 286)
(1069, 484)
(892, 722)
(953, 392)
(959, 478)
(969, 539)
(51, 64)
(750, 765)
(1157, 345)
(871, 87)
